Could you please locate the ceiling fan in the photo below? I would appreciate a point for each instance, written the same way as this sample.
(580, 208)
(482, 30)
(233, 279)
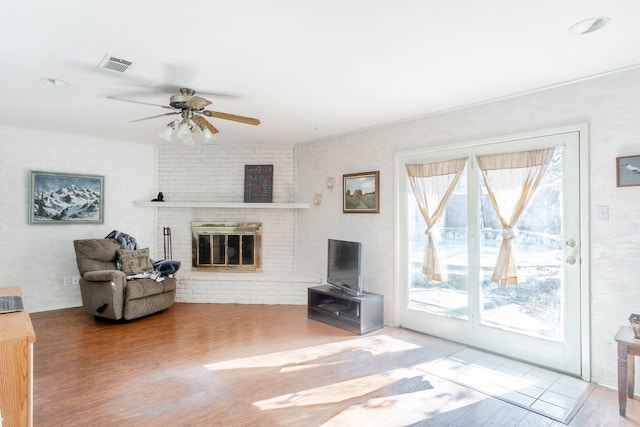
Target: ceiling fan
(191, 109)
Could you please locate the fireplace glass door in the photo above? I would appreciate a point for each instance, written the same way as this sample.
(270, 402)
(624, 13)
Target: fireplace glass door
(227, 246)
(226, 250)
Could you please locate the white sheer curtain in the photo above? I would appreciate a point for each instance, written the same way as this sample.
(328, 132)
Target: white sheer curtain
(511, 180)
(432, 185)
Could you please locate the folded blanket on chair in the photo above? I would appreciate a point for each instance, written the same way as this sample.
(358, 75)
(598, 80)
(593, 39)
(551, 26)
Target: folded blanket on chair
(126, 241)
(166, 267)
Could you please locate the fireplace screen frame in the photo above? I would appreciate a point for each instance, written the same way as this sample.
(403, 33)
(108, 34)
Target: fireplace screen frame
(223, 245)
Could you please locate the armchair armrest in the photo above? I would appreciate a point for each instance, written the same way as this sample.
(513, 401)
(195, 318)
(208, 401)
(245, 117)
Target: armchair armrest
(104, 276)
(103, 293)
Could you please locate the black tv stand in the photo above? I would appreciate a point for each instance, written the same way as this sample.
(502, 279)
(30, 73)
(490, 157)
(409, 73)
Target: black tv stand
(358, 314)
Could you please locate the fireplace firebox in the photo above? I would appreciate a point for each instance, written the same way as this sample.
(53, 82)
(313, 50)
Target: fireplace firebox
(227, 246)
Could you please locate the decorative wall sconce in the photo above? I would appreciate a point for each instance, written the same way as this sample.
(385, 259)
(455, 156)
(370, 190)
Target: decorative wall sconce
(317, 199)
(331, 182)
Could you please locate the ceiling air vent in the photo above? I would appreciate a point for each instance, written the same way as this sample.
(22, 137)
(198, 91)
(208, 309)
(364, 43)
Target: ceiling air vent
(111, 64)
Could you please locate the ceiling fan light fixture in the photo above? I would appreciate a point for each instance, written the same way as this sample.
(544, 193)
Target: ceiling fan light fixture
(208, 136)
(184, 129)
(167, 132)
(589, 25)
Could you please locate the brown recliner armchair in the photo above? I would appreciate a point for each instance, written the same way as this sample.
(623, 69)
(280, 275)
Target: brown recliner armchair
(105, 290)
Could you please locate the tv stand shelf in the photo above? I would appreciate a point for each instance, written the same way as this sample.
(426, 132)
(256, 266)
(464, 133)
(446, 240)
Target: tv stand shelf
(358, 314)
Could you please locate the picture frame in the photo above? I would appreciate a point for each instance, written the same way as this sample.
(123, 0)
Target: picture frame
(258, 183)
(628, 171)
(361, 192)
(65, 198)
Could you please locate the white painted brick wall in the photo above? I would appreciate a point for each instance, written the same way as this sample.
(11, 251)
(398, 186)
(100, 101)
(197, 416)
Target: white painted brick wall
(211, 173)
(239, 288)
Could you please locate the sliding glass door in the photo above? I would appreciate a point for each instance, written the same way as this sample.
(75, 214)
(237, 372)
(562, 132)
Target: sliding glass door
(489, 247)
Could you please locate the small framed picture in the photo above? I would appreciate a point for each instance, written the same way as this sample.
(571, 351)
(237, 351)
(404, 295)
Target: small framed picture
(361, 192)
(65, 198)
(258, 183)
(628, 171)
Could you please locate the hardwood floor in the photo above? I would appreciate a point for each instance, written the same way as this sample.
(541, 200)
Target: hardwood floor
(258, 365)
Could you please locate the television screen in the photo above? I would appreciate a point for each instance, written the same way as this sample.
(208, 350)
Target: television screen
(344, 266)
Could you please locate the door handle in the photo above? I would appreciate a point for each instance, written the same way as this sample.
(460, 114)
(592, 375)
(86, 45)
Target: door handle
(570, 260)
(571, 243)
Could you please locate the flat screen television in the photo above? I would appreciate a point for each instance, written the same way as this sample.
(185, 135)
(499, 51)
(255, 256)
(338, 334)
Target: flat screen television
(344, 266)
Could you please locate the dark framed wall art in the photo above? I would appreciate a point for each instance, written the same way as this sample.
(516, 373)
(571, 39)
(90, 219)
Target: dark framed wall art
(361, 193)
(65, 198)
(628, 171)
(258, 183)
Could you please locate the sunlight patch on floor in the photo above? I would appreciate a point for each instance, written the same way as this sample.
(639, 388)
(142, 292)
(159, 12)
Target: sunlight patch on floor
(402, 397)
(310, 366)
(402, 409)
(337, 392)
(375, 345)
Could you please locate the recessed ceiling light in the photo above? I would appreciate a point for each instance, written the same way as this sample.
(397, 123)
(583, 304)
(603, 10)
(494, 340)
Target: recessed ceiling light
(54, 82)
(589, 25)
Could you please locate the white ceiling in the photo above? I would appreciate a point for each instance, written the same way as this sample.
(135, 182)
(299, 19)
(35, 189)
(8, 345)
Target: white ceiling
(307, 69)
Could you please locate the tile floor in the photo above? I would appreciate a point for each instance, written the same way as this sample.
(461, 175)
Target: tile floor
(541, 390)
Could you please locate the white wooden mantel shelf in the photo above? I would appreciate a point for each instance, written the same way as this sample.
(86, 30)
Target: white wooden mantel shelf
(144, 204)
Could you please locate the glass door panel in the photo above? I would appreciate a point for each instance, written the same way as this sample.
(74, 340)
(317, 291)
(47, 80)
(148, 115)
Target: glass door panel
(534, 305)
(448, 297)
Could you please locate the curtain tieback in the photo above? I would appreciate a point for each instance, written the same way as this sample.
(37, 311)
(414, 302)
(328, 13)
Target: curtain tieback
(428, 231)
(508, 234)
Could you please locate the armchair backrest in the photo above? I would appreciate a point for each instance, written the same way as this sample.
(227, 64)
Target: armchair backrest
(96, 254)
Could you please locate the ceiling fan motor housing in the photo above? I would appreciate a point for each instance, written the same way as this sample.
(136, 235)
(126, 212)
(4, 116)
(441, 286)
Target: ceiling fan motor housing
(180, 101)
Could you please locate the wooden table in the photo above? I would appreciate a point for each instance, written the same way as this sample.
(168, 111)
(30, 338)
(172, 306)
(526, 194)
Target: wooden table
(628, 348)
(16, 358)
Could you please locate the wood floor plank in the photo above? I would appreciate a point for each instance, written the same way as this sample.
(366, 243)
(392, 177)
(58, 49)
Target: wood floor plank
(267, 365)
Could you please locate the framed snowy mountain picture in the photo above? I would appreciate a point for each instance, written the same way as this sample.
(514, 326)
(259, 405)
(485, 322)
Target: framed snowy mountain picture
(65, 198)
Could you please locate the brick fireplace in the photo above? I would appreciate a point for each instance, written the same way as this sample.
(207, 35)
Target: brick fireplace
(215, 174)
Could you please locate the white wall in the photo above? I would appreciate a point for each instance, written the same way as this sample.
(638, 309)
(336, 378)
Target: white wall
(610, 105)
(38, 257)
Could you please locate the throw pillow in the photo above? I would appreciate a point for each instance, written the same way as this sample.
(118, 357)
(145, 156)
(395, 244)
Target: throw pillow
(135, 261)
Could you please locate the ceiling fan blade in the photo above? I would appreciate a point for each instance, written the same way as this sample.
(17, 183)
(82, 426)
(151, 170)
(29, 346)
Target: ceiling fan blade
(138, 102)
(153, 89)
(235, 118)
(202, 122)
(198, 103)
(155, 117)
(181, 73)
